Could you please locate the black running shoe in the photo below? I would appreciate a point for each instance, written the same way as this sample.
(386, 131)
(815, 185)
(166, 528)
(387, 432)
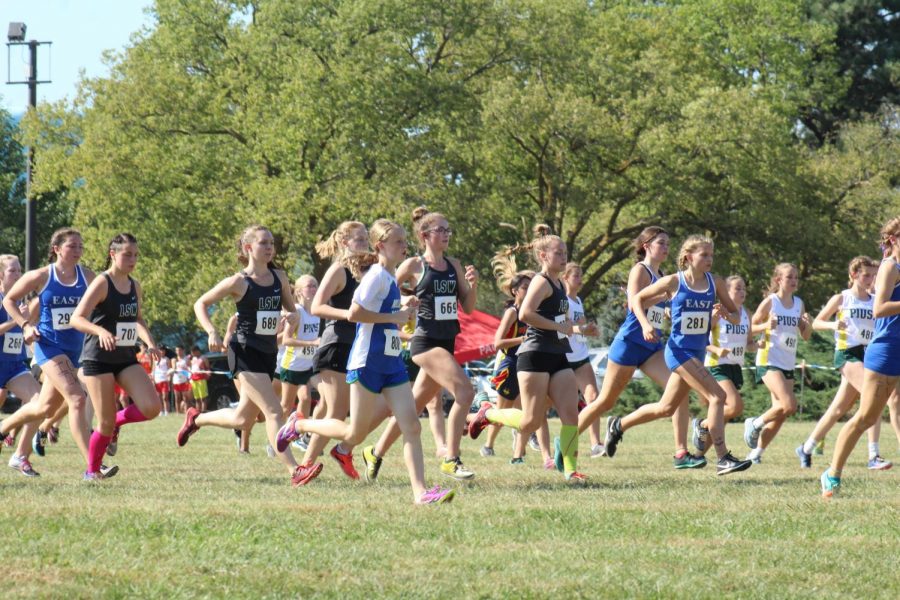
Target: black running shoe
(39, 442)
(613, 435)
(729, 464)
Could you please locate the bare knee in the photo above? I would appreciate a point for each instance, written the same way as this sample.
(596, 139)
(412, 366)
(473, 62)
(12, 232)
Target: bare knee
(77, 402)
(789, 410)
(464, 395)
(668, 409)
(106, 426)
(411, 428)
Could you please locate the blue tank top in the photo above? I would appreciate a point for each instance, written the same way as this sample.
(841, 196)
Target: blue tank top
(887, 329)
(631, 331)
(692, 315)
(12, 343)
(58, 302)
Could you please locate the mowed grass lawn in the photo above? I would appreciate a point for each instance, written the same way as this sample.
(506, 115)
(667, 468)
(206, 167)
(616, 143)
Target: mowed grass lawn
(203, 521)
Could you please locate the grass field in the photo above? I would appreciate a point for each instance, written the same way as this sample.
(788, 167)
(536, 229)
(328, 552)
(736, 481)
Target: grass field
(204, 521)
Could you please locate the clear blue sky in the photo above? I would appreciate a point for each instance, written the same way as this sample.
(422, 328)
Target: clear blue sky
(80, 31)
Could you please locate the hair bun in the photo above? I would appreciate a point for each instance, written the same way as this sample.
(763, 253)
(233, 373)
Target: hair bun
(541, 229)
(418, 213)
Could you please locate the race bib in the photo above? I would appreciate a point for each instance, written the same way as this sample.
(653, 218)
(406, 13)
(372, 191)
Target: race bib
(737, 351)
(866, 334)
(656, 316)
(445, 308)
(693, 323)
(308, 351)
(392, 343)
(126, 334)
(560, 319)
(790, 341)
(13, 343)
(267, 322)
(61, 317)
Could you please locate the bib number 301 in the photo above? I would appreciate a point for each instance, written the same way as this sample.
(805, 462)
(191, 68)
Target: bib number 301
(267, 322)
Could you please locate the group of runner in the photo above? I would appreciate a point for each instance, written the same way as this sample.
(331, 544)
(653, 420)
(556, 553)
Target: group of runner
(377, 306)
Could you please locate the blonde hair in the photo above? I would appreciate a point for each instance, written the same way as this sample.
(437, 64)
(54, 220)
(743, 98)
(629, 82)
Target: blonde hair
(59, 238)
(5, 259)
(645, 237)
(858, 264)
(508, 278)
(360, 262)
(774, 281)
(691, 245)
(732, 279)
(247, 237)
(891, 229)
(422, 220)
(543, 239)
(333, 246)
(570, 267)
(299, 282)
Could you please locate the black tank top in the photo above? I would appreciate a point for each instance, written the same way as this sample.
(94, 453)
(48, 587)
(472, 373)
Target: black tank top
(554, 307)
(438, 293)
(259, 310)
(341, 331)
(117, 314)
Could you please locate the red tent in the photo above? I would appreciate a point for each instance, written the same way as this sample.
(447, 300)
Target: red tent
(476, 338)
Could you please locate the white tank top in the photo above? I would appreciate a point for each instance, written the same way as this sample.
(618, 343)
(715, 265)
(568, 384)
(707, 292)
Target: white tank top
(182, 370)
(577, 341)
(161, 370)
(733, 337)
(299, 358)
(779, 345)
(860, 321)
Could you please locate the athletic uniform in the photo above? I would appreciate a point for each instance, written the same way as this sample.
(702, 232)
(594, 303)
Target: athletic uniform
(161, 375)
(117, 314)
(883, 352)
(504, 379)
(337, 337)
(58, 302)
(254, 346)
(296, 365)
(778, 350)
(691, 318)
(544, 350)
(375, 360)
(629, 348)
(850, 343)
(181, 375)
(437, 320)
(12, 351)
(198, 378)
(734, 339)
(579, 354)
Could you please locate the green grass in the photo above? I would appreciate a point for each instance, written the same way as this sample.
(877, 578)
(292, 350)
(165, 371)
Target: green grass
(204, 521)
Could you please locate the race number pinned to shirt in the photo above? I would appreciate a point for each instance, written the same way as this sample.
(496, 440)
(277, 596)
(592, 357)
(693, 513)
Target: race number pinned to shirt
(656, 316)
(61, 317)
(445, 308)
(790, 341)
(267, 322)
(308, 351)
(694, 323)
(560, 319)
(13, 343)
(392, 343)
(126, 334)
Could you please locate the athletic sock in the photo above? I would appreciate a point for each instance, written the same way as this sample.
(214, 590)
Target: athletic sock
(758, 423)
(510, 417)
(810, 445)
(568, 441)
(756, 453)
(96, 450)
(873, 450)
(129, 414)
(339, 448)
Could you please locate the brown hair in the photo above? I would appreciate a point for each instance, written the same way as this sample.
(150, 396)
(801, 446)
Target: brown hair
(422, 220)
(858, 264)
(247, 237)
(691, 245)
(333, 246)
(116, 244)
(645, 237)
(733, 278)
(571, 266)
(360, 262)
(891, 229)
(59, 238)
(776, 275)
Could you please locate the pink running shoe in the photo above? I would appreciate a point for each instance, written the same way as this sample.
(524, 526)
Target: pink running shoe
(479, 423)
(346, 462)
(550, 464)
(303, 474)
(189, 427)
(53, 435)
(437, 495)
(9, 441)
(288, 432)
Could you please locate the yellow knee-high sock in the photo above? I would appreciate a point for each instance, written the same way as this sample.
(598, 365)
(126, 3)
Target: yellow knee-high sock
(510, 417)
(568, 441)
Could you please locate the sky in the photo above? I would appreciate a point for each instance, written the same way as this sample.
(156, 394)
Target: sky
(80, 31)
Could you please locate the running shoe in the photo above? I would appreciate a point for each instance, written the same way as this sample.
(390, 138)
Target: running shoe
(9, 441)
(549, 464)
(92, 476)
(437, 495)
(518, 460)
(303, 474)
(346, 463)
(479, 422)
(39, 442)
(53, 435)
(558, 455)
(805, 459)
(485, 451)
(756, 460)
(189, 427)
(830, 485)
(372, 462)
(575, 478)
(729, 464)
(113, 446)
(614, 435)
(453, 467)
(689, 461)
(751, 434)
(879, 464)
(533, 443)
(108, 472)
(820, 448)
(21, 464)
(288, 432)
(598, 450)
(699, 435)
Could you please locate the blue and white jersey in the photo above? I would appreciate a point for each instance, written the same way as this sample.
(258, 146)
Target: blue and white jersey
(58, 302)
(631, 330)
(12, 343)
(377, 346)
(692, 315)
(887, 329)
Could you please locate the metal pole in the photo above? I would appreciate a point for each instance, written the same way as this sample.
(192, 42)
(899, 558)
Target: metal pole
(31, 257)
